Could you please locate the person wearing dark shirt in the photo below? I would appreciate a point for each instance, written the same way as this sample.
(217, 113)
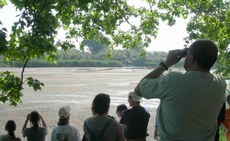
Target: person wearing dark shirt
(135, 120)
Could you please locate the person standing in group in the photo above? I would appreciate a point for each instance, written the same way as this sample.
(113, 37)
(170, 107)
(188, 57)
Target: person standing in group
(36, 132)
(10, 127)
(120, 109)
(64, 131)
(226, 121)
(220, 120)
(100, 125)
(135, 120)
(190, 101)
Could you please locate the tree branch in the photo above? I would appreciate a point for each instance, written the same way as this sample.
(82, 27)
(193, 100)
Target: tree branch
(22, 73)
(123, 13)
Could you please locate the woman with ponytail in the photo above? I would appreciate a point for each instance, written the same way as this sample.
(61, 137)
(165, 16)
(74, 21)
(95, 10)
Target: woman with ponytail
(37, 131)
(10, 127)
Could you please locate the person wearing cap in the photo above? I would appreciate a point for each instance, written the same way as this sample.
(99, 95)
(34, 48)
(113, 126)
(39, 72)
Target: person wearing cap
(64, 131)
(190, 101)
(135, 120)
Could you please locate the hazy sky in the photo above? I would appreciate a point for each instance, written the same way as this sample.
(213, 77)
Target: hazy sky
(168, 37)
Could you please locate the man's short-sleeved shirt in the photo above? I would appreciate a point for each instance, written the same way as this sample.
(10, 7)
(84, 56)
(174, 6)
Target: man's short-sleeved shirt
(136, 120)
(65, 133)
(189, 106)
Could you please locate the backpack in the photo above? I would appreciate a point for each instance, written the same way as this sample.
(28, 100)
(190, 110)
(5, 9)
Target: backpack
(93, 137)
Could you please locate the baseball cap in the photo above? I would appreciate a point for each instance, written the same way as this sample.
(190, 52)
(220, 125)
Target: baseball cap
(64, 112)
(135, 97)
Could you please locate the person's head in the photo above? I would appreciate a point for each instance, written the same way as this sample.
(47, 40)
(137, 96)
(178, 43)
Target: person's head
(34, 119)
(121, 108)
(10, 127)
(64, 114)
(101, 104)
(133, 99)
(202, 54)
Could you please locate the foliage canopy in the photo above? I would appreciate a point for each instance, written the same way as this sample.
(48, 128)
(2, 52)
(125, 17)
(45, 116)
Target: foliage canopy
(34, 34)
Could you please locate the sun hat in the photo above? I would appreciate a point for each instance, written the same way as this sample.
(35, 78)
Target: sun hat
(64, 112)
(134, 97)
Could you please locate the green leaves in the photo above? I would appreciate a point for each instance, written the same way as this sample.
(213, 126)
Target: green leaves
(2, 3)
(211, 20)
(34, 83)
(10, 88)
(3, 41)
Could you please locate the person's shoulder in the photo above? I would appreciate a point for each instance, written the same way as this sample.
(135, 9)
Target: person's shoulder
(89, 119)
(3, 137)
(111, 116)
(72, 126)
(145, 110)
(171, 77)
(6, 137)
(132, 111)
(127, 111)
(43, 128)
(65, 126)
(114, 122)
(26, 130)
(175, 74)
(57, 127)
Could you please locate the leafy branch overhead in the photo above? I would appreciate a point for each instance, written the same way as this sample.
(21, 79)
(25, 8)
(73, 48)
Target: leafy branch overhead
(34, 35)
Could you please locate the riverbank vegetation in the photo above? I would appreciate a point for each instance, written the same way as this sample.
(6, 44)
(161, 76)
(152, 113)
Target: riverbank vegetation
(77, 58)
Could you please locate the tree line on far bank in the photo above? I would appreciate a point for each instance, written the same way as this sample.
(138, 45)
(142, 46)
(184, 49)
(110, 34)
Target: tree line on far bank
(98, 58)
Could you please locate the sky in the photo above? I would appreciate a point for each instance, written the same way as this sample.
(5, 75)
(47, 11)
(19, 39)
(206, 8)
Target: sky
(168, 38)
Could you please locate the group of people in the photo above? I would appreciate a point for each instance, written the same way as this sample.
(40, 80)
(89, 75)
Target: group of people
(99, 127)
(35, 132)
(189, 106)
(131, 127)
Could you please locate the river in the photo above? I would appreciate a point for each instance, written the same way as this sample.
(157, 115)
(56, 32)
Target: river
(75, 87)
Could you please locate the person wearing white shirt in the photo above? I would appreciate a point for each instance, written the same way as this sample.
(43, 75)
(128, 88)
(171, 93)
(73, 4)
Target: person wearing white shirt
(64, 131)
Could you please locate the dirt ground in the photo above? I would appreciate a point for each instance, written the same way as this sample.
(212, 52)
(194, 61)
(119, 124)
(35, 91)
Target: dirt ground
(75, 87)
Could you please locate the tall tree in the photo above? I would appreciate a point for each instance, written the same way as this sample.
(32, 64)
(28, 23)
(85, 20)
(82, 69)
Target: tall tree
(34, 34)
